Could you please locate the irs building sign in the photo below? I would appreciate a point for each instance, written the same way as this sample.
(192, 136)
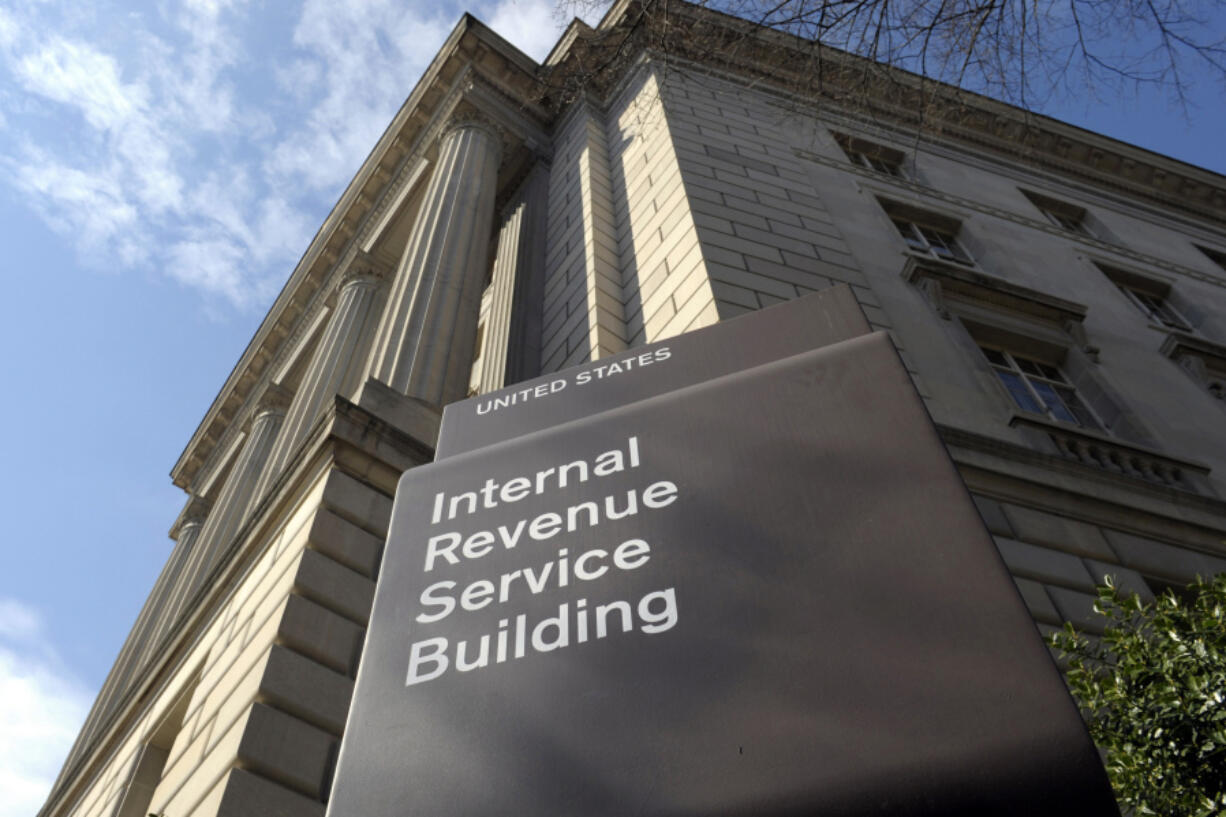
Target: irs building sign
(763, 593)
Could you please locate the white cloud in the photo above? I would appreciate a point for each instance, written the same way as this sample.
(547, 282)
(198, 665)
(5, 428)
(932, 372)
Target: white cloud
(186, 141)
(91, 206)
(41, 709)
(211, 263)
(370, 54)
(78, 75)
(8, 29)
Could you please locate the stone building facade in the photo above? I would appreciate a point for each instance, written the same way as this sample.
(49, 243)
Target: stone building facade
(1059, 298)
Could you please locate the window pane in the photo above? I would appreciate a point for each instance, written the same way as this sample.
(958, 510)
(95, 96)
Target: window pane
(1018, 391)
(1051, 372)
(908, 231)
(1167, 315)
(883, 166)
(994, 357)
(1029, 366)
(1055, 406)
(1080, 410)
(944, 245)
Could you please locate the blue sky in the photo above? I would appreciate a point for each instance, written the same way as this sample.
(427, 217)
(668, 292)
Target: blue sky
(162, 167)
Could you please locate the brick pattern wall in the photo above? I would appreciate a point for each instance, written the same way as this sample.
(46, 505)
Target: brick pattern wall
(667, 289)
(763, 227)
(583, 317)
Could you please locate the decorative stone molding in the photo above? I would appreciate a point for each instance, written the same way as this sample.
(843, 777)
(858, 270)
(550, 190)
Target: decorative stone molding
(274, 399)
(361, 269)
(931, 287)
(947, 279)
(195, 512)
(1077, 331)
(1180, 346)
(1203, 360)
(1114, 456)
(469, 117)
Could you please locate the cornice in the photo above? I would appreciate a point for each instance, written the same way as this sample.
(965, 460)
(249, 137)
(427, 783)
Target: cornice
(785, 63)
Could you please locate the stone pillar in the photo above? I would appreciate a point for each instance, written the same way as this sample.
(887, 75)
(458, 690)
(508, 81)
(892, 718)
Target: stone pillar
(334, 368)
(513, 326)
(231, 507)
(187, 534)
(139, 645)
(424, 346)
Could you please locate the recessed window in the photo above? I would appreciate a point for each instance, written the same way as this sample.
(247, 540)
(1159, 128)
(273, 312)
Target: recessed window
(871, 156)
(1040, 387)
(1151, 298)
(1061, 214)
(938, 242)
(1156, 308)
(1216, 256)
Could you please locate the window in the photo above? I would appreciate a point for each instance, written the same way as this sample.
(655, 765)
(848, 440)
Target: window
(1156, 308)
(1040, 388)
(1202, 359)
(938, 242)
(871, 156)
(1152, 298)
(1216, 256)
(1061, 214)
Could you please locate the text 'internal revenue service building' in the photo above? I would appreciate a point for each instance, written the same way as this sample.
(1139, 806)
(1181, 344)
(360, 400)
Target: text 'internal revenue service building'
(635, 611)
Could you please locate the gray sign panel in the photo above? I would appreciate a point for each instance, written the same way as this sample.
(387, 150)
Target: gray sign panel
(768, 594)
(749, 340)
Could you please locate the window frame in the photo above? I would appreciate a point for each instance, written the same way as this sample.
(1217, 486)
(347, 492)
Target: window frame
(1217, 257)
(1158, 308)
(933, 241)
(1048, 390)
(1150, 297)
(871, 156)
(1061, 214)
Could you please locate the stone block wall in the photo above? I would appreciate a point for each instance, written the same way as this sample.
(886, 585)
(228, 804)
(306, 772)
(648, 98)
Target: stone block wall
(1057, 561)
(269, 681)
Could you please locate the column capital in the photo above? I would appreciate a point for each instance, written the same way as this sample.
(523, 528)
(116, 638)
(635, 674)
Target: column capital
(363, 269)
(274, 400)
(193, 514)
(196, 509)
(466, 116)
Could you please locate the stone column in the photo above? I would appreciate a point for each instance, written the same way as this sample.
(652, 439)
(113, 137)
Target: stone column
(187, 534)
(334, 368)
(138, 647)
(513, 326)
(231, 507)
(424, 346)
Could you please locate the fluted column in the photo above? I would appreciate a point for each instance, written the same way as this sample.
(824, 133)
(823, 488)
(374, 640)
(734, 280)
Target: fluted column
(232, 504)
(424, 345)
(334, 368)
(139, 644)
(188, 534)
(513, 326)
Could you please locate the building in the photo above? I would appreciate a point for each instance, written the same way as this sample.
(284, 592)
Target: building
(1059, 297)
